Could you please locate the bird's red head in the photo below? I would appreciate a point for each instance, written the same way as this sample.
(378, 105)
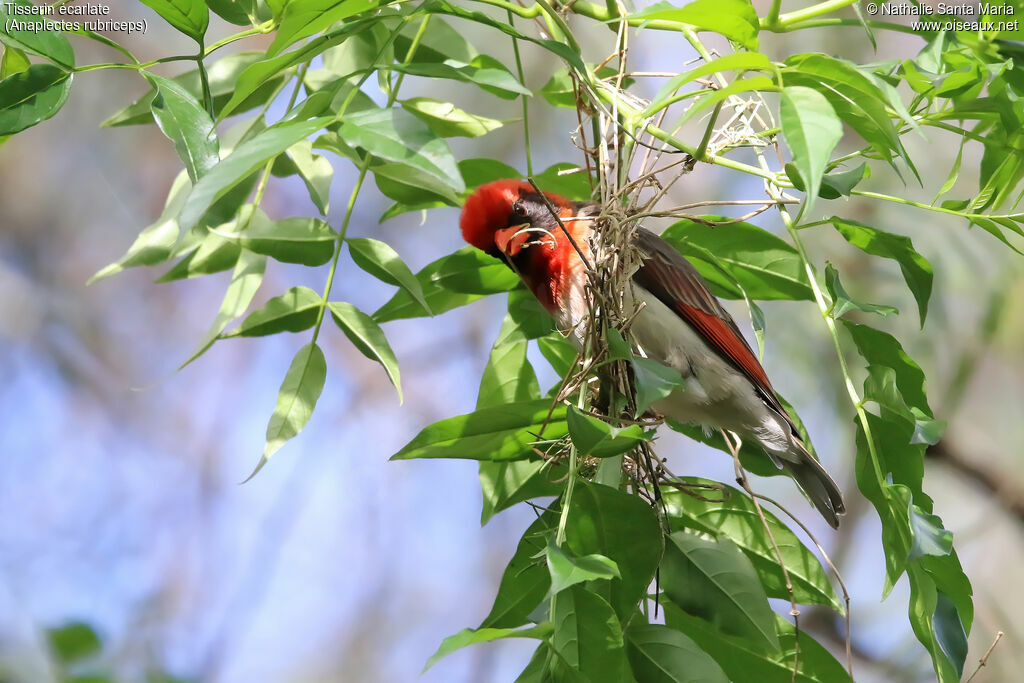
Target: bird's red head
(493, 215)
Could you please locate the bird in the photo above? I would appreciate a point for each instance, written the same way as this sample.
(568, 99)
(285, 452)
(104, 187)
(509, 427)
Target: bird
(680, 323)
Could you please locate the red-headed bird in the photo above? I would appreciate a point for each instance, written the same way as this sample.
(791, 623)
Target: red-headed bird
(681, 324)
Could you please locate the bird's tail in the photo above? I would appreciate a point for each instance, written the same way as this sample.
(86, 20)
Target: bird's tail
(816, 484)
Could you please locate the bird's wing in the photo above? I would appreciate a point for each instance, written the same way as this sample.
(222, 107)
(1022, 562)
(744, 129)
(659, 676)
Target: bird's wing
(676, 283)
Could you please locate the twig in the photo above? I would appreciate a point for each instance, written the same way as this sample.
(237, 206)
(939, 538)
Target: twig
(835, 572)
(554, 214)
(984, 658)
(741, 479)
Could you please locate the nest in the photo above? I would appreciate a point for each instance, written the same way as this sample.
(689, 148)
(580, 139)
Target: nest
(633, 173)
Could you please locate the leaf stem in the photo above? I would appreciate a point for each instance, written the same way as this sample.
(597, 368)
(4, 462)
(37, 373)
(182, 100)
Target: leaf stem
(265, 27)
(790, 18)
(531, 12)
(938, 209)
(526, 109)
(364, 166)
(204, 79)
(839, 22)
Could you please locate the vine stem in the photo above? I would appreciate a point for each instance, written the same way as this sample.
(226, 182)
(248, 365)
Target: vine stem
(203, 51)
(364, 166)
(830, 323)
(204, 79)
(937, 209)
(526, 109)
(812, 12)
(265, 178)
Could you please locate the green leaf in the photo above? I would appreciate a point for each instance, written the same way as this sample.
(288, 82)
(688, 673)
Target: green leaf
(366, 335)
(565, 179)
(558, 352)
(737, 87)
(508, 376)
(930, 537)
(185, 123)
(881, 348)
(937, 624)
(738, 61)
(316, 172)
(304, 18)
(599, 439)
(259, 73)
(916, 270)
(307, 241)
(654, 382)
(742, 660)
(526, 579)
(506, 483)
(191, 17)
(529, 317)
(536, 670)
(245, 282)
(469, 636)
(439, 43)
(213, 255)
(398, 136)
(734, 19)
(73, 642)
(245, 159)
(715, 581)
(33, 39)
(352, 58)
(479, 172)
(659, 654)
(12, 62)
(237, 12)
(294, 311)
(854, 97)
(504, 432)
(588, 636)
(841, 301)
(155, 243)
(833, 185)
(223, 77)
(31, 96)
(568, 571)
(449, 282)
(380, 260)
(486, 72)
(446, 120)
(764, 265)
(623, 528)
(812, 130)
(725, 511)
(296, 400)
(618, 347)
(411, 188)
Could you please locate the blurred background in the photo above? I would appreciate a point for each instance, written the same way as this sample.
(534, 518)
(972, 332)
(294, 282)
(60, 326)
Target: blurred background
(122, 507)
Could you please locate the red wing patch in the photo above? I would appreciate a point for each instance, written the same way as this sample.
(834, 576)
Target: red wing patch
(722, 338)
(676, 283)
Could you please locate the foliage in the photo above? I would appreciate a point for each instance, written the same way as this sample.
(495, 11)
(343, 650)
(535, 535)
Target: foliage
(580, 580)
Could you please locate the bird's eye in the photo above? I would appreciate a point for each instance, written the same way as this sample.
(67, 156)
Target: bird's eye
(518, 209)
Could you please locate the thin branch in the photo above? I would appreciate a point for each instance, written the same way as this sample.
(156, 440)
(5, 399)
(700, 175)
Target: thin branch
(741, 479)
(984, 658)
